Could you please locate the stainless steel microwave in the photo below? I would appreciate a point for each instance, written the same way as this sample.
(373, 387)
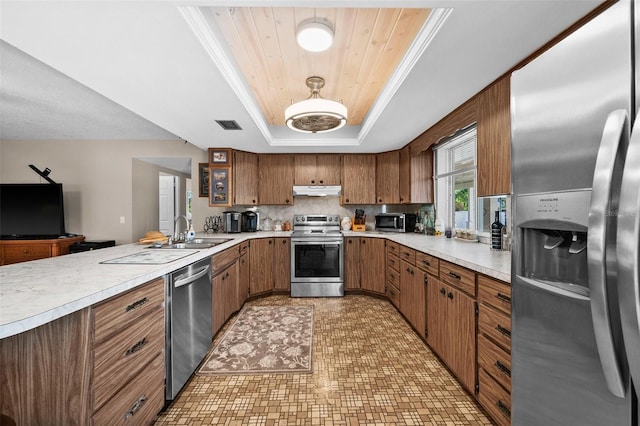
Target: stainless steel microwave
(395, 222)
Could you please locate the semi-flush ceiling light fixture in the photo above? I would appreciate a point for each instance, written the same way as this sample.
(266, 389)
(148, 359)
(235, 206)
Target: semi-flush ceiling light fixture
(315, 114)
(314, 36)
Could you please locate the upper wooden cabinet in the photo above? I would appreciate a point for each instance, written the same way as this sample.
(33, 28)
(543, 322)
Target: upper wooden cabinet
(416, 176)
(317, 169)
(275, 178)
(388, 178)
(494, 139)
(359, 179)
(245, 177)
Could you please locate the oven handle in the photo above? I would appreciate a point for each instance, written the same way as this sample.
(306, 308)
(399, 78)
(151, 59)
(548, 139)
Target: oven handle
(311, 240)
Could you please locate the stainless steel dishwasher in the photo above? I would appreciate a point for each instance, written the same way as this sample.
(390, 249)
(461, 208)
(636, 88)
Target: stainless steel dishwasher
(188, 323)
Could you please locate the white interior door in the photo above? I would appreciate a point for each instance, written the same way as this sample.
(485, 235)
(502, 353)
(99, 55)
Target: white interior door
(167, 204)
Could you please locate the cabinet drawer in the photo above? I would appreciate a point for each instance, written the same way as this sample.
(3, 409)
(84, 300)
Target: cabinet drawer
(393, 262)
(495, 325)
(495, 361)
(408, 255)
(244, 247)
(495, 293)
(494, 399)
(21, 253)
(221, 260)
(119, 358)
(458, 276)
(428, 263)
(393, 248)
(138, 402)
(121, 311)
(393, 277)
(394, 295)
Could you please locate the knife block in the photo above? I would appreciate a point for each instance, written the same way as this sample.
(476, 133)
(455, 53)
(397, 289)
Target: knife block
(358, 224)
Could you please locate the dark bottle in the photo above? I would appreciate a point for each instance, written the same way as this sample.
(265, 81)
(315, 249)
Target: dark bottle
(496, 233)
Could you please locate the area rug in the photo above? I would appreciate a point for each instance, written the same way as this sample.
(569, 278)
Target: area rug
(265, 339)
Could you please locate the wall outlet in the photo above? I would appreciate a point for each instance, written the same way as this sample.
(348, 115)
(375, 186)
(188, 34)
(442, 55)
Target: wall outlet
(122, 219)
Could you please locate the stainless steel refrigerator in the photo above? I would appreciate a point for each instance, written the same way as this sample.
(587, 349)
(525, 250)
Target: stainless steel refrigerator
(576, 185)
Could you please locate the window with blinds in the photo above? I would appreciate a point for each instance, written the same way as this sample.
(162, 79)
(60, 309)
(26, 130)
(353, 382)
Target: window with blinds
(455, 180)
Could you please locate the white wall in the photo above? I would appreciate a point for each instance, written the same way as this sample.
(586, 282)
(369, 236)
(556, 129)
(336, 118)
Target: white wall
(98, 181)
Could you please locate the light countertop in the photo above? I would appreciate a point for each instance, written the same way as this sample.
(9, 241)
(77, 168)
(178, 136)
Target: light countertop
(37, 292)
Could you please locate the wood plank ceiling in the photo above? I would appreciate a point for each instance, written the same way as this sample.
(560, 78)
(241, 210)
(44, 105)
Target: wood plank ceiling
(368, 46)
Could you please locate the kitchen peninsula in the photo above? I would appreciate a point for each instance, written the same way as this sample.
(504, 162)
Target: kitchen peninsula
(36, 295)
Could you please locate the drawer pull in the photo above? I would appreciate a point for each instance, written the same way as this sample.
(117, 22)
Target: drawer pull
(135, 407)
(135, 348)
(426, 263)
(503, 297)
(503, 368)
(503, 408)
(406, 254)
(503, 330)
(136, 304)
(454, 275)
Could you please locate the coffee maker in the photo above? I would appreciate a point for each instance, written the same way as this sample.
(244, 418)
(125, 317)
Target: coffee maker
(249, 221)
(232, 221)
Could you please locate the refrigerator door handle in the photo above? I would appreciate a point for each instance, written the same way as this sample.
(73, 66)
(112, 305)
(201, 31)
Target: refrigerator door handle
(628, 252)
(604, 201)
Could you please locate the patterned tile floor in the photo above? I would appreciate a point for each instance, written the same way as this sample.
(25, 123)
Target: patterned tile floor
(369, 368)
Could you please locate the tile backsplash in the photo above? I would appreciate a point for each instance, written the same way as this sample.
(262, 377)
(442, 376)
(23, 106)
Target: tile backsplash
(318, 205)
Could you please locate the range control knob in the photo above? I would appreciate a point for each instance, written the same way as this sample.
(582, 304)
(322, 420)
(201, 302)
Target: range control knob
(330, 218)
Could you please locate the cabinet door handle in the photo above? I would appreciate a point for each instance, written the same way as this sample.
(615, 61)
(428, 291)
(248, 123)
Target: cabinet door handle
(503, 330)
(136, 304)
(503, 368)
(350, 241)
(443, 291)
(287, 201)
(379, 200)
(346, 200)
(501, 405)
(135, 348)
(321, 181)
(454, 275)
(135, 407)
(450, 295)
(503, 297)
(270, 241)
(426, 279)
(313, 181)
(284, 241)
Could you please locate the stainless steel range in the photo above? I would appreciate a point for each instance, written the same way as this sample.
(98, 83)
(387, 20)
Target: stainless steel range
(317, 256)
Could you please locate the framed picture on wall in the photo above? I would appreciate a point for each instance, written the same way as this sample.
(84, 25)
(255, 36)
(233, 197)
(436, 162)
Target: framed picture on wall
(220, 156)
(220, 186)
(203, 179)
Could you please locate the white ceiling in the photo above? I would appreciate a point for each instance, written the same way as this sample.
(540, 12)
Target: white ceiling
(153, 70)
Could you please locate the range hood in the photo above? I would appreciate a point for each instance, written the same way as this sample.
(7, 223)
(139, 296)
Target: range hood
(317, 191)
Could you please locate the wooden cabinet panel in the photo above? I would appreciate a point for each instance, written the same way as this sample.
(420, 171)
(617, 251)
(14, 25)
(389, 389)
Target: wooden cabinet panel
(408, 255)
(428, 263)
(416, 176)
(393, 262)
(393, 275)
(121, 311)
(494, 293)
(496, 325)
(359, 179)
(394, 295)
(462, 337)
(495, 361)
(412, 296)
(218, 293)
(437, 316)
(282, 264)
(243, 279)
(494, 139)
(138, 402)
(275, 179)
(245, 178)
(260, 261)
(118, 359)
(15, 251)
(458, 276)
(494, 399)
(352, 263)
(404, 178)
(372, 263)
(393, 248)
(317, 169)
(388, 178)
(221, 260)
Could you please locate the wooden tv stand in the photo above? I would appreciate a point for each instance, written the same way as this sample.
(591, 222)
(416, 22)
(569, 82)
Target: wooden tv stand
(14, 251)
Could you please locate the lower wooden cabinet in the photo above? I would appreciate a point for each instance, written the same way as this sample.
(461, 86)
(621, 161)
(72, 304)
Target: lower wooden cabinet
(270, 265)
(372, 265)
(15, 251)
(224, 295)
(281, 264)
(243, 279)
(100, 365)
(352, 263)
(412, 295)
(495, 399)
(451, 326)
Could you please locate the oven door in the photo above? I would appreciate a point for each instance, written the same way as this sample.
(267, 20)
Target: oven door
(317, 260)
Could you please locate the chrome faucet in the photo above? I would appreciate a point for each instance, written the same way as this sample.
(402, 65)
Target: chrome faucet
(186, 228)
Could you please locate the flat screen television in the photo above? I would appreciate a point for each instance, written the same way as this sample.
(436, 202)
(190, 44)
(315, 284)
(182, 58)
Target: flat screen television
(31, 211)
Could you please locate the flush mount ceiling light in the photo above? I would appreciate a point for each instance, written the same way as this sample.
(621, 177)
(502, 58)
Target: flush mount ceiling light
(315, 114)
(314, 36)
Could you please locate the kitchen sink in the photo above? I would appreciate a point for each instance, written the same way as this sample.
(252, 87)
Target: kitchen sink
(198, 243)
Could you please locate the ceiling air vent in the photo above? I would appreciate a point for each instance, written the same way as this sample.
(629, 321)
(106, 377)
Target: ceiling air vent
(229, 124)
